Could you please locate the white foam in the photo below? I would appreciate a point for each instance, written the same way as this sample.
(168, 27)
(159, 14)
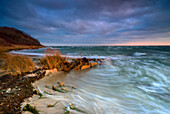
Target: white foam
(25, 53)
(139, 54)
(115, 57)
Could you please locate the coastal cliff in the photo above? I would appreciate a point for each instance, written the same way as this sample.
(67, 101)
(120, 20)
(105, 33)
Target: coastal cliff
(11, 36)
(14, 39)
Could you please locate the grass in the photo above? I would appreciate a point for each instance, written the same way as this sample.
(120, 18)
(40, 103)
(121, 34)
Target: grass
(72, 107)
(55, 60)
(11, 65)
(3, 55)
(49, 93)
(30, 108)
(37, 92)
(17, 64)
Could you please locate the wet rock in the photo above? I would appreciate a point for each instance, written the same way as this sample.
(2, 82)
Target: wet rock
(85, 60)
(8, 90)
(85, 67)
(100, 63)
(78, 67)
(94, 64)
(14, 89)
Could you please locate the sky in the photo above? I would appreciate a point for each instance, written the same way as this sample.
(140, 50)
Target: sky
(90, 22)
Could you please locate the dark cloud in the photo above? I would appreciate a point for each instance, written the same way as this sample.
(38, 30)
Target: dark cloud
(16, 9)
(89, 21)
(51, 4)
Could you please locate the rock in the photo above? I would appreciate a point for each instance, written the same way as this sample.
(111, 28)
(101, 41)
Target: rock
(8, 90)
(30, 75)
(94, 64)
(78, 67)
(100, 63)
(26, 112)
(14, 89)
(85, 67)
(85, 60)
(50, 71)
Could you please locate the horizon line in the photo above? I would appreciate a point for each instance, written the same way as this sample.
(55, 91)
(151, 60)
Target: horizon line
(49, 44)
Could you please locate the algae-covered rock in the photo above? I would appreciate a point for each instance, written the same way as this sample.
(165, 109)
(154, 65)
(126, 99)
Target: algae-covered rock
(31, 109)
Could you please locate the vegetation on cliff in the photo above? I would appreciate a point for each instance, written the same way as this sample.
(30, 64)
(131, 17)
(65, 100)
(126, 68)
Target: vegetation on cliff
(14, 39)
(12, 36)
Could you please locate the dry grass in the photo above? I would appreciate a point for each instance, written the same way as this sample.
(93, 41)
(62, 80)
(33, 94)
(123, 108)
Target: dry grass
(3, 55)
(55, 60)
(17, 64)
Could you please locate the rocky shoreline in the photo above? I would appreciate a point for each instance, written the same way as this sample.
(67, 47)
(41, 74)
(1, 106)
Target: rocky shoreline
(15, 88)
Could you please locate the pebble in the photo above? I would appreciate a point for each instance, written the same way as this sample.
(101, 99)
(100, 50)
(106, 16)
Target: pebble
(8, 90)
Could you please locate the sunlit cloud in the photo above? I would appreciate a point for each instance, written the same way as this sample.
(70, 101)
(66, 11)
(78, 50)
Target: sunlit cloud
(90, 22)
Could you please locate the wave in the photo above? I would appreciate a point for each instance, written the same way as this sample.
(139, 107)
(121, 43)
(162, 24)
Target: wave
(26, 53)
(73, 56)
(136, 55)
(139, 54)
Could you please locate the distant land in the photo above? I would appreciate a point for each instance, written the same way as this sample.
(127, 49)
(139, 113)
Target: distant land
(14, 39)
(12, 36)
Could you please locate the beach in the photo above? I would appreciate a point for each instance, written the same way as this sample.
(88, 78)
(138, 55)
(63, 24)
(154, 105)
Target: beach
(41, 104)
(85, 56)
(131, 80)
(21, 88)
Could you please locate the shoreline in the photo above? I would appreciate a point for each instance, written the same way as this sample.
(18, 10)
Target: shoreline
(42, 104)
(15, 89)
(16, 47)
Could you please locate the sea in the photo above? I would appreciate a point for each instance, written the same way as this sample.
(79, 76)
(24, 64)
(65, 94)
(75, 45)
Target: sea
(132, 80)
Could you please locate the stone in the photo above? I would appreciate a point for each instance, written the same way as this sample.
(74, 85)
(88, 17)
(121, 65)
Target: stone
(30, 75)
(50, 71)
(85, 67)
(85, 60)
(8, 90)
(100, 63)
(94, 64)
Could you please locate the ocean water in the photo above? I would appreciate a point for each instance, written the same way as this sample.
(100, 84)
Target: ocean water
(132, 80)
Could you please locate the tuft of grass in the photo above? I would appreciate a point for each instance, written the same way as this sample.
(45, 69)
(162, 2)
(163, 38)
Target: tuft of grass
(72, 107)
(17, 64)
(37, 92)
(49, 93)
(55, 60)
(30, 108)
(3, 55)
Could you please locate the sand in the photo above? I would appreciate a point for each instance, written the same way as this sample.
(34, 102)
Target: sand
(41, 104)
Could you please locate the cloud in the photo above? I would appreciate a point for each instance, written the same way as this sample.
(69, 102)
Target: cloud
(89, 21)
